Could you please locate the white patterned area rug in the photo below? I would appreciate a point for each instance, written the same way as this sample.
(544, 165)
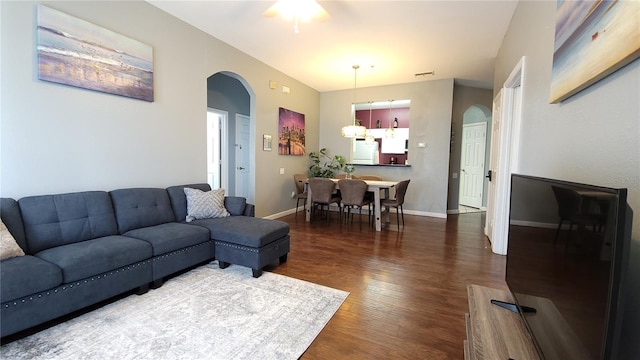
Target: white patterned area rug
(206, 313)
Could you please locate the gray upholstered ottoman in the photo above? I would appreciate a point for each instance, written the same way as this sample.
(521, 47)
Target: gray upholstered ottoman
(251, 242)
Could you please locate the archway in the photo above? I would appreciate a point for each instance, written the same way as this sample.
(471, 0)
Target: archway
(474, 159)
(231, 93)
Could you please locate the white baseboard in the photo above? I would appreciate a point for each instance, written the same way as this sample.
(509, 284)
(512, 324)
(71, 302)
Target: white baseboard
(284, 213)
(426, 214)
(537, 224)
(301, 212)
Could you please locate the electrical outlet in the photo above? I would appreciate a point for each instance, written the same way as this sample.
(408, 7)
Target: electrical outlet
(281, 171)
(293, 194)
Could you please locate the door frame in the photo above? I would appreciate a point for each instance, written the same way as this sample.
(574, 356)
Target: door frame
(223, 135)
(508, 158)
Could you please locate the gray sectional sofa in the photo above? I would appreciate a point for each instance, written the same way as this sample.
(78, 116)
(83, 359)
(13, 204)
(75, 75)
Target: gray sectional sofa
(85, 247)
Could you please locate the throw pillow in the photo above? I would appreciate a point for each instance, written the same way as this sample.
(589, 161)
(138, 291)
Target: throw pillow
(8, 246)
(205, 205)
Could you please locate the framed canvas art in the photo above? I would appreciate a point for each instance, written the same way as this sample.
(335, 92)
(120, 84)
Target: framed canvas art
(75, 52)
(290, 132)
(592, 40)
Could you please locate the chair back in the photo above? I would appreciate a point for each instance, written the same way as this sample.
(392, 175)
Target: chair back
(370, 177)
(568, 202)
(401, 190)
(352, 191)
(299, 180)
(341, 176)
(321, 189)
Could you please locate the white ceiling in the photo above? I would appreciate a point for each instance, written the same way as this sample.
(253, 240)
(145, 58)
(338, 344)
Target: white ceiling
(390, 40)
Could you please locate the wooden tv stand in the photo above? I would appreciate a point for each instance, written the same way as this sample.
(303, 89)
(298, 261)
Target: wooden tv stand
(494, 333)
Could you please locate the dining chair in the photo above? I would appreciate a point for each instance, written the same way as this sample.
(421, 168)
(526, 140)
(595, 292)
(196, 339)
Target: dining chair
(341, 176)
(323, 193)
(570, 209)
(401, 190)
(370, 195)
(301, 194)
(352, 192)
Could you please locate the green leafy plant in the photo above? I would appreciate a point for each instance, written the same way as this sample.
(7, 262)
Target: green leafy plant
(324, 165)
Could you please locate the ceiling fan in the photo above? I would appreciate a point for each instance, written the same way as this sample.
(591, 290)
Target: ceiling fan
(298, 10)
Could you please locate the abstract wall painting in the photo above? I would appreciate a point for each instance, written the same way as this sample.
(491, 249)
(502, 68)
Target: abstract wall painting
(75, 52)
(592, 40)
(290, 132)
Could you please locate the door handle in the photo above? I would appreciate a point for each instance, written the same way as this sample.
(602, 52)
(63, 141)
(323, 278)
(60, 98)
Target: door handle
(489, 175)
(240, 168)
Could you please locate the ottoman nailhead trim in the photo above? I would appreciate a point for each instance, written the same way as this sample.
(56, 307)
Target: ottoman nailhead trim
(234, 246)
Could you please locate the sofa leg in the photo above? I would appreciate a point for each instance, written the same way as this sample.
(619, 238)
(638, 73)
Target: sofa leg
(157, 283)
(257, 273)
(143, 289)
(223, 265)
(283, 258)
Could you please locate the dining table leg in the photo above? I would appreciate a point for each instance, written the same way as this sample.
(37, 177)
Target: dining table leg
(376, 198)
(387, 218)
(309, 204)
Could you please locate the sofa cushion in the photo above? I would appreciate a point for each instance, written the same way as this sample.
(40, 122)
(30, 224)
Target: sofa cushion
(205, 204)
(245, 230)
(12, 218)
(236, 205)
(93, 257)
(26, 275)
(169, 237)
(141, 207)
(179, 199)
(8, 246)
(55, 220)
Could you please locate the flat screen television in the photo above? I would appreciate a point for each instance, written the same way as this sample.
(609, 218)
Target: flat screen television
(567, 256)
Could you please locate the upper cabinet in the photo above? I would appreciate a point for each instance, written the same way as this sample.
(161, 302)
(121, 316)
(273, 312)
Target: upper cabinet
(388, 123)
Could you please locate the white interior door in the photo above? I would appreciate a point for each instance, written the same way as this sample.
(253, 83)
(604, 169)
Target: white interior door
(474, 137)
(243, 136)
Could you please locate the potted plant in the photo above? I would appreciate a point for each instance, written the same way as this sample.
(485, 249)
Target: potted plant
(349, 169)
(323, 165)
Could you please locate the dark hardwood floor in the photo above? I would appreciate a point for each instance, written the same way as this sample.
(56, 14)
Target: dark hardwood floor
(407, 288)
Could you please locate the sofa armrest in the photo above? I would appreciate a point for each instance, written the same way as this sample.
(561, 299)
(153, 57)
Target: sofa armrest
(250, 210)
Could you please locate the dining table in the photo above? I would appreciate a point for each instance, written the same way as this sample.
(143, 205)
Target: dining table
(374, 186)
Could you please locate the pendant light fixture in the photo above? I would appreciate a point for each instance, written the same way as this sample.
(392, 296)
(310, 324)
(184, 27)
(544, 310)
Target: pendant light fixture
(369, 139)
(353, 130)
(390, 132)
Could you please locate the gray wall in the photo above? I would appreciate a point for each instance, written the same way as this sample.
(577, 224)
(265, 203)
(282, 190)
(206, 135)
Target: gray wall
(592, 137)
(465, 97)
(56, 138)
(429, 122)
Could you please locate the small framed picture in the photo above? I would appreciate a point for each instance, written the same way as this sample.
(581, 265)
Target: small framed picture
(266, 142)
